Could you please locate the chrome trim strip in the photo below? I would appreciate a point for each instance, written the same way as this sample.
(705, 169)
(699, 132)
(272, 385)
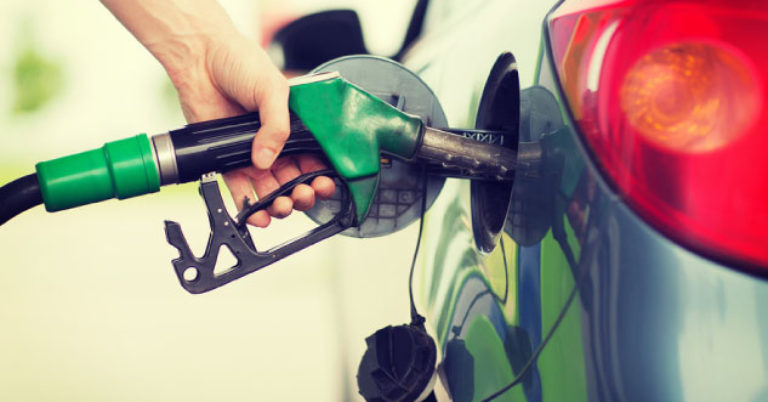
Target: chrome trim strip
(165, 157)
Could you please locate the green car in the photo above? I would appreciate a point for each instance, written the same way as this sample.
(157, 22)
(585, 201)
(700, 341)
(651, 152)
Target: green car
(627, 260)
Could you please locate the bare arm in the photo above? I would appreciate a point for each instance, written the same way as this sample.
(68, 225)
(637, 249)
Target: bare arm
(219, 73)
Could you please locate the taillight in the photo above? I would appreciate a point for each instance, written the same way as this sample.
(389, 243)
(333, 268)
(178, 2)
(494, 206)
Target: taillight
(670, 96)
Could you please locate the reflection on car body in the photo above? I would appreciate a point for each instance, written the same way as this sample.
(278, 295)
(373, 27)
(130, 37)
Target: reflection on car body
(580, 296)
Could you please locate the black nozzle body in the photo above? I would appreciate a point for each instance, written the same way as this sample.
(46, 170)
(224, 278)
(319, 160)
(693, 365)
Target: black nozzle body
(225, 144)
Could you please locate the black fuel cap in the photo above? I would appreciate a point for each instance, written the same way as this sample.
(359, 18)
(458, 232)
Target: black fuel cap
(398, 364)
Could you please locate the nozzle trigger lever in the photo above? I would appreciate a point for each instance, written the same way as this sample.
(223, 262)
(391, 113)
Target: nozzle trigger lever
(197, 275)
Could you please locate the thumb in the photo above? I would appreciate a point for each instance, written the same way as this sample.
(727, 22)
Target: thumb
(244, 73)
(272, 105)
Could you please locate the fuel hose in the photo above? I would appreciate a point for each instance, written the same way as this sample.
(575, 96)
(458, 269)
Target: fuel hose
(19, 196)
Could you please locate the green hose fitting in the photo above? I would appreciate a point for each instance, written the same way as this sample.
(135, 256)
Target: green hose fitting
(353, 127)
(120, 169)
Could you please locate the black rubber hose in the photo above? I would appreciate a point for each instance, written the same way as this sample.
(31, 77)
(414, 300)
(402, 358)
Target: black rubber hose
(19, 196)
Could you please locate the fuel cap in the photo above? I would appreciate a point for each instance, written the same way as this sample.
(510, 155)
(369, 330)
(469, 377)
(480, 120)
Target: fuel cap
(398, 364)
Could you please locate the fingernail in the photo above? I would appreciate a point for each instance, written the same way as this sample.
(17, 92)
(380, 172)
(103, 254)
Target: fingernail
(264, 158)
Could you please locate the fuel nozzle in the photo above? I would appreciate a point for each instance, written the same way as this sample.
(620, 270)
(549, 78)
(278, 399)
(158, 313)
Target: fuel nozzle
(348, 127)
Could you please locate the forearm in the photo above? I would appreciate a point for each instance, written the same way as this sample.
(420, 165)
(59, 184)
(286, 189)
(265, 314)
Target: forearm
(177, 32)
(218, 73)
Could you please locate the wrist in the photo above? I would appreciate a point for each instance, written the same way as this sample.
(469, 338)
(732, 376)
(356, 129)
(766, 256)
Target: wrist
(181, 36)
(176, 32)
(187, 58)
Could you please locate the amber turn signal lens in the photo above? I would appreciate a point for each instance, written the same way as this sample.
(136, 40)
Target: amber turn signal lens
(671, 98)
(690, 97)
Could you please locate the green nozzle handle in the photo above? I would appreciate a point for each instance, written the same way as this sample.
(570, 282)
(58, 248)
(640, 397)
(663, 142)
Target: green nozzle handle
(120, 169)
(354, 128)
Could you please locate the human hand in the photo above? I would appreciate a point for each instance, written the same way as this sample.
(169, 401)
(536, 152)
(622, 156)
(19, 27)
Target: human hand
(234, 77)
(220, 73)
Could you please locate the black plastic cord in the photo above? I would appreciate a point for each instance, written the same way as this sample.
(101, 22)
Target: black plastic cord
(19, 196)
(537, 352)
(416, 318)
(580, 269)
(506, 273)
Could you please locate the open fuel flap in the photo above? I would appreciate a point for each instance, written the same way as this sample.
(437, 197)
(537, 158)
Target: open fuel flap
(499, 111)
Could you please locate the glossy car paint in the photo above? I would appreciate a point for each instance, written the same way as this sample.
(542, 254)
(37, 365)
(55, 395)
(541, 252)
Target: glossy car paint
(602, 307)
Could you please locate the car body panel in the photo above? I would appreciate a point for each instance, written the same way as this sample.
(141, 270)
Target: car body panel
(650, 320)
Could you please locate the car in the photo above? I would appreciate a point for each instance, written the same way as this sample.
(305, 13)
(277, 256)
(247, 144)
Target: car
(627, 260)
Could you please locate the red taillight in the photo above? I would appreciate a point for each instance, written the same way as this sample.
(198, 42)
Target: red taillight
(670, 96)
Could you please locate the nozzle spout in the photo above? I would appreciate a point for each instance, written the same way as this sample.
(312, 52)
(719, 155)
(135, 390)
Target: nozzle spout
(454, 150)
